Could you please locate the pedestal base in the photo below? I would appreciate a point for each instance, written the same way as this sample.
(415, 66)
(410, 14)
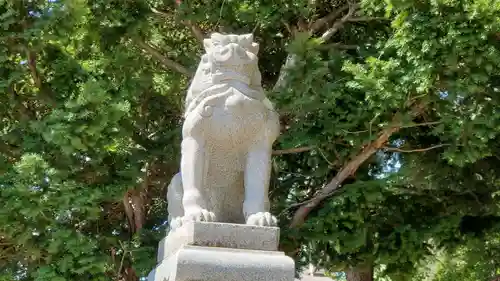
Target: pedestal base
(188, 254)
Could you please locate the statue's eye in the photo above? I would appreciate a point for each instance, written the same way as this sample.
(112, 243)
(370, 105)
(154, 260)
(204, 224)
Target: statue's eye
(224, 51)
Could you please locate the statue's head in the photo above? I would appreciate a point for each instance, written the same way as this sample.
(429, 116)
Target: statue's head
(231, 47)
(230, 56)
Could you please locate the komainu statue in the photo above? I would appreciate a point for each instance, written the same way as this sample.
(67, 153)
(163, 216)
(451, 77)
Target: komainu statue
(227, 135)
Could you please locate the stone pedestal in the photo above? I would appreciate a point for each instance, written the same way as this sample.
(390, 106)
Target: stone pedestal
(203, 251)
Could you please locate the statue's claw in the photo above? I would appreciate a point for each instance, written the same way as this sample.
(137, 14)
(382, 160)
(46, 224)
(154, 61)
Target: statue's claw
(262, 219)
(199, 215)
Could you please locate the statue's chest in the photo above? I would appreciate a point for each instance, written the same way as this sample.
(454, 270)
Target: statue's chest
(239, 105)
(235, 117)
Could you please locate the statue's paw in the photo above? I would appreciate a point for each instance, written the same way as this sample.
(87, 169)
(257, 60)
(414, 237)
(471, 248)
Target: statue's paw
(262, 219)
(199, 215)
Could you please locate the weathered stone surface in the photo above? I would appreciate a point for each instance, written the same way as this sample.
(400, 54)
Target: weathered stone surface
(220, 225)
(194, 263)
(227, 138)
(225, 235)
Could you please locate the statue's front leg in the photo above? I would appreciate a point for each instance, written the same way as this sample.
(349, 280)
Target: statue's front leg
(193, 172)
(174, 199)
(257, 176)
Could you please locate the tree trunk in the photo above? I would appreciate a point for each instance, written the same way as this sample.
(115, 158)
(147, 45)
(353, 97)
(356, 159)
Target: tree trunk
(360, 273)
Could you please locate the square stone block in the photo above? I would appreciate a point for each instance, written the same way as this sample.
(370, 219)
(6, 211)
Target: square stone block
(195, 263)
(222, 235)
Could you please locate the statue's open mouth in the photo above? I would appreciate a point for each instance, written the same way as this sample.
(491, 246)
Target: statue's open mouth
(231, 54)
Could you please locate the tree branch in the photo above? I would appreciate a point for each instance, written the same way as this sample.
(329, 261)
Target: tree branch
(361, 19)
(422, 124)
(124, 253)
(33, 70)
(395, 149)
(355, 132)
(314, 27)
(46, 92)
(10, 151)
(293, 150)
(307, 201)
(338, 46)
(166, 62)
(319, 23)
(195, 29)
(340, 23)
(351, 167)
(160, 13)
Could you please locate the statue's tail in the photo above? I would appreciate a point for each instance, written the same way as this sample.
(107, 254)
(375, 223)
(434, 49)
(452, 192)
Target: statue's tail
(174, 200)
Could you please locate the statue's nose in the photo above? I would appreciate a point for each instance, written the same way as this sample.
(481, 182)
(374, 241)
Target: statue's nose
(240, 52)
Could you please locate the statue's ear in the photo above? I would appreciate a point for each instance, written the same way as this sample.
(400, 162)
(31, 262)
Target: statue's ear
(246, 40)
(207, 44)
(254, 48)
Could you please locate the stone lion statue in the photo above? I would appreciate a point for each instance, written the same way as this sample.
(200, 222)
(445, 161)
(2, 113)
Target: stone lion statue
(227, 135)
